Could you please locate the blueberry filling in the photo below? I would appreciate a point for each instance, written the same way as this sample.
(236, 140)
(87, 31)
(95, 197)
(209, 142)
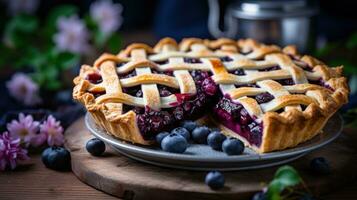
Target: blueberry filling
(192, 60)
(151, 122)
(167, 91)
(134, 91)
(226, 59)
(168, 73)
(239, 72)
(127, 75)
(247, 85)
(264, 97)
(94, 78)
(300, 63)
(270, 69)
(287, 81)
(162, 62)
(120, 64)
(236, 118)
(246, 53)
(322, 83)
(97, 93)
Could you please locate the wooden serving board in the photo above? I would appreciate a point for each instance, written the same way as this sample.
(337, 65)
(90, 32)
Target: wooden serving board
(129, 179)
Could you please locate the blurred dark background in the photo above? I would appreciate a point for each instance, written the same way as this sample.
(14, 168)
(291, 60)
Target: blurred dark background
(336, 20)
(333, 31)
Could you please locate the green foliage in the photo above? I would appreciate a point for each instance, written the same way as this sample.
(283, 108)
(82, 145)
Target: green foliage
(341, 53)
(57, 12)
(29, 44)
(350, 118)
(114, 43)
(286, 176)
(17, 30)
(49, 65)
(352, 41)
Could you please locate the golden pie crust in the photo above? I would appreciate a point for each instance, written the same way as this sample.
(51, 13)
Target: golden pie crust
(281, 130)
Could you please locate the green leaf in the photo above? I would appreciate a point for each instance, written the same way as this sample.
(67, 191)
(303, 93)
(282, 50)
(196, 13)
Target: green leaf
(66, 60)
(17, 29)
(348, 67)
(90, 23)
(352, 41)
(285, 176)
(288, 176)
(328, 48)
(114, 43)
(57, 12)
(99, 38)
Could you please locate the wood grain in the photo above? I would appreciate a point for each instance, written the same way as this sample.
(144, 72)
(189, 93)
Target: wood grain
(128, 179)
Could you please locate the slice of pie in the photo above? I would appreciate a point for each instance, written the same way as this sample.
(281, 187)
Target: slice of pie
(268, 97)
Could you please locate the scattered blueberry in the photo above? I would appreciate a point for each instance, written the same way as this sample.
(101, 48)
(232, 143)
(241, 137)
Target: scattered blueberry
(215, 140)
(320, 165)
(183, 132)
(95, 147)
(189, 125)
(199, 134)
(174, 143)
(159, 137)
(215, 180)
(57, 158)
(260, 196)
(233, 146)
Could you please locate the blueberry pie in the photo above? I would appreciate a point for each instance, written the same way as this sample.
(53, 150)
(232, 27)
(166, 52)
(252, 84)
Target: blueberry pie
(270, 98)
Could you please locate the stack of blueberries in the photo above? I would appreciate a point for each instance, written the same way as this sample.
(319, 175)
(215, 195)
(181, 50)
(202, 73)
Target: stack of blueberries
(179, 138)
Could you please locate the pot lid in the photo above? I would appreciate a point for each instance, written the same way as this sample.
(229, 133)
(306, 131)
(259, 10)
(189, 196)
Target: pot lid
(269, 9)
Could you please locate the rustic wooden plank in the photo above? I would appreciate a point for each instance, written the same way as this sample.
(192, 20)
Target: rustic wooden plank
(35, 181)
(123, 177)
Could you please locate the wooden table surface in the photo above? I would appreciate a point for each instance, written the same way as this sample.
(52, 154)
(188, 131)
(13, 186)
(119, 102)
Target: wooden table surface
(35, 181)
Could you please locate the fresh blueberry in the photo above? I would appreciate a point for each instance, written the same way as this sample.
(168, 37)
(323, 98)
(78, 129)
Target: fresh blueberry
(199, 134)
(183, 132)
(159, 137)
(95, 147)
(233, 146)
(215, 180)
(320, 165)
(260, 196)
(57, 158)
(215, 140)
(174, 143)
(189, 125)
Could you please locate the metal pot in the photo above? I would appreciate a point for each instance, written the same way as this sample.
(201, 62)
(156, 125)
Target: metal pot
(278, 22)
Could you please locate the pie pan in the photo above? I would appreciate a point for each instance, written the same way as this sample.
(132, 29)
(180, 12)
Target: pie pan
(202, 157)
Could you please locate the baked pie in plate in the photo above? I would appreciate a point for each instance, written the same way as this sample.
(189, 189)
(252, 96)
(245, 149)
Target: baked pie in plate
(270, 98)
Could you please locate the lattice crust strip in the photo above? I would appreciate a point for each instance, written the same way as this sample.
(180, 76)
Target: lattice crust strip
(138, 60)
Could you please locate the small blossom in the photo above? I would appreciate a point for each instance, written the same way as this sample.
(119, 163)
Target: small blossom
(10, 152)
(52, 131)
(25, 129)
(107, 15)
(72, 35)
(22, 6)
(23, 89)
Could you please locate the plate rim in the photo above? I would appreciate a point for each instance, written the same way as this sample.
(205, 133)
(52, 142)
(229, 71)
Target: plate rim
(137, 149)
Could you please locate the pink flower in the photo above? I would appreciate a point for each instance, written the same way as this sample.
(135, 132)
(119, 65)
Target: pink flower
(107, 15)
(72, 35)
(23, 89)
(52, 131)
(10, 152)
(24, 129)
